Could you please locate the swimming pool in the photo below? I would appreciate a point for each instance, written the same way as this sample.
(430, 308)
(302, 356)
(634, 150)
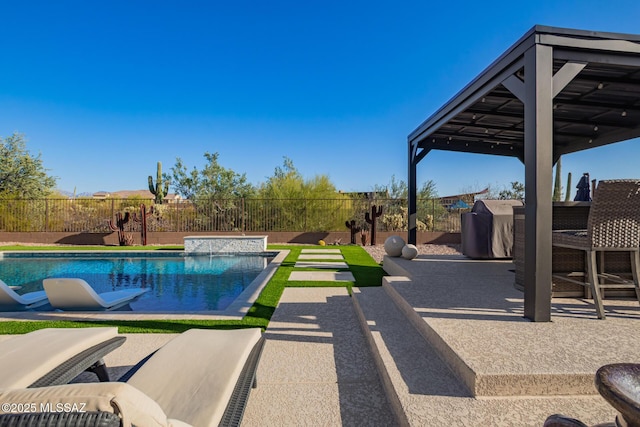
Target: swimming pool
(175, 282)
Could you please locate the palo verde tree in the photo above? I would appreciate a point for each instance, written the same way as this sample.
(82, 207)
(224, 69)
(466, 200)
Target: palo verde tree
(22, 174)
(516, 192)
(213, 191)
(395, 217)
(213, 182)
(301, 204)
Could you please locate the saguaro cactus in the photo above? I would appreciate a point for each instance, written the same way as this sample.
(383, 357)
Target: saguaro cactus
(567, 196)
(557, 186)
(159, 190)
(143, 222)
(354, 230)
(371, 219)
(121, 220)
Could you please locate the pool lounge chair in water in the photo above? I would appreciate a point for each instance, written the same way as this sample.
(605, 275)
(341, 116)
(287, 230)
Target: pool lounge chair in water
(200, 378)
(11, 301)
(77, 295)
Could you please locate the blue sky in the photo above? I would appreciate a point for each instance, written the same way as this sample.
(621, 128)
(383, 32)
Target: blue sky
(104, 90)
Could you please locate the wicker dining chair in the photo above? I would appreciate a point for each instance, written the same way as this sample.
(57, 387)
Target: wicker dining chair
(613, 225)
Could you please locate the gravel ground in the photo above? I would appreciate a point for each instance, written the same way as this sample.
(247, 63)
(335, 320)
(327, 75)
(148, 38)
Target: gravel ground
(377, 252)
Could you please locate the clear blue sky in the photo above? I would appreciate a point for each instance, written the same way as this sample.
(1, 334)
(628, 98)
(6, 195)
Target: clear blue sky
(104, 90)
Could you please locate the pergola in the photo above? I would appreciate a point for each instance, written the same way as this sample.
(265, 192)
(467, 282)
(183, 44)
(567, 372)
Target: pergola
(555, 91)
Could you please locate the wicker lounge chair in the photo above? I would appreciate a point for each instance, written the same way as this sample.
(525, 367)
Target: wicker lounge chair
(11, 301)
(200, 378)
(55, 356)
(77, 295)
(613, 225)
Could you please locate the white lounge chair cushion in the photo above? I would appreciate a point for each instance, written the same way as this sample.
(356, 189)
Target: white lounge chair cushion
(32, 297)
(192, 377)
(115, 298)
(130, 404)
(9, 299)
(26, 358)
(77, 294)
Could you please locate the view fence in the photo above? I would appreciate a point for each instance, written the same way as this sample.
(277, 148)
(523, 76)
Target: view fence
(243, 215)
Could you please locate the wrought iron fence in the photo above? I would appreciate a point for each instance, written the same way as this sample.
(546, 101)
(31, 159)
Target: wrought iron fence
(251, 215)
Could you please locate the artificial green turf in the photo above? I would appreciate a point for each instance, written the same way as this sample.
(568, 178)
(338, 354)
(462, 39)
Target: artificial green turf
(90, 248)
(365, 271)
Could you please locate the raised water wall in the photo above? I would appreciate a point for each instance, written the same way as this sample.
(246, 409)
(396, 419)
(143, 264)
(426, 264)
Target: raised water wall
(197, 245)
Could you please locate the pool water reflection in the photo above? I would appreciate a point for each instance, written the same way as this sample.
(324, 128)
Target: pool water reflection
(176, 282)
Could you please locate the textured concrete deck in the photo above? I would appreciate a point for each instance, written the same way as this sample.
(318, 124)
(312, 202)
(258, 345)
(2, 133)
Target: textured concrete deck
(476, 312)
(316, 368)
(472, 359)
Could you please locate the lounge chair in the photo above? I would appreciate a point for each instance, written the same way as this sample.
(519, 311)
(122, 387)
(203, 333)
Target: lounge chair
(200, 378)
(77, 295)
(11, 301)
(55, 356)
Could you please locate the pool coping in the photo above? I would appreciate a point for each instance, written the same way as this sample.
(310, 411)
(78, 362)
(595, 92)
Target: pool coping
(235, 311)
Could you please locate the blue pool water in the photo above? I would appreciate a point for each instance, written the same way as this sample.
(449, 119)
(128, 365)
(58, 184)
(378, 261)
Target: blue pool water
(176, 282)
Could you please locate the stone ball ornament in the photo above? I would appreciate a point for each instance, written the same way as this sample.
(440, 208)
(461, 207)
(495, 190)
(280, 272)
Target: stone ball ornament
(393, 246)
(409, 251)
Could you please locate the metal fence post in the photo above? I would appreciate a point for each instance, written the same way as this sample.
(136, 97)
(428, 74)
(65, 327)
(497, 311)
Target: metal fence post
(46, 215)
(243, 215)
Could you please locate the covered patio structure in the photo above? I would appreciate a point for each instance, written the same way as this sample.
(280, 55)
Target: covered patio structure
(555, 91)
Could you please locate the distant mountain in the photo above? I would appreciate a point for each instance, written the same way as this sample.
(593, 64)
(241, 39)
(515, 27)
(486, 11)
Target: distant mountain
(70, 194)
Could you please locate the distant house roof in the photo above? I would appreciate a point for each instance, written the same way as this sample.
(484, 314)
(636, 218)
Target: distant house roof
(124, 194)
(367, 194)
(447, 201)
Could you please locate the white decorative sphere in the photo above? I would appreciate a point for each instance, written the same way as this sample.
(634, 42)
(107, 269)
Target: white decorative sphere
(409, 251)
(393, 245)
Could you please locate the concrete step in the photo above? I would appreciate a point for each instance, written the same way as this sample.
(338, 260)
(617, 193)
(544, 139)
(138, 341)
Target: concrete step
(316, 368)
(469, 311)
(424, 391)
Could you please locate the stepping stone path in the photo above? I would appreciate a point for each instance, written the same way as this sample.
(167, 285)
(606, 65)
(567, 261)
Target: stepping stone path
(320, 256)
(316, 256)
(308, 264)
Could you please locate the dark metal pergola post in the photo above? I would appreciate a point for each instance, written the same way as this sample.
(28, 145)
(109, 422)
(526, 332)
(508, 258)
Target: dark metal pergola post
(414, 158)
(538, 154)
(412, 202)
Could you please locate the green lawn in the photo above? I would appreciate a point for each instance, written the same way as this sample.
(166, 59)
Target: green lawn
(364, 268)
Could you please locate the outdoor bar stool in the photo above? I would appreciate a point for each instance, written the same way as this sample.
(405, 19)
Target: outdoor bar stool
(613, 225)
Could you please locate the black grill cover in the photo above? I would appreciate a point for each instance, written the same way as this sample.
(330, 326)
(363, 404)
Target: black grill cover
(487, 231)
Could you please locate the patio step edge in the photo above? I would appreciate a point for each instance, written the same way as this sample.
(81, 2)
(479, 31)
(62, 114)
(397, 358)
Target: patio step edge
(410, 370)
(462, 371)
(479, 382)
(385, 379)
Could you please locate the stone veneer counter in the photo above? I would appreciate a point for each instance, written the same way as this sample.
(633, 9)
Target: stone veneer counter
(194, 245)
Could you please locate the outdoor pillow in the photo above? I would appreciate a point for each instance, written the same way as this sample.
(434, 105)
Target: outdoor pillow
(133, 406)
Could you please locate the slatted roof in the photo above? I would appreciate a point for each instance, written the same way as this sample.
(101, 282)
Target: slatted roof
(599, 106)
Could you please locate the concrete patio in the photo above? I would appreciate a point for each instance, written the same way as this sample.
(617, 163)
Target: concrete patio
(442, 342)
(472, 359)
